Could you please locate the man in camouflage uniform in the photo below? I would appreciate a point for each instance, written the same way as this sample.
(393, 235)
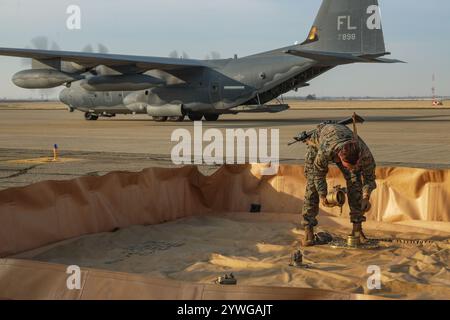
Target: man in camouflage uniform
(332, 142)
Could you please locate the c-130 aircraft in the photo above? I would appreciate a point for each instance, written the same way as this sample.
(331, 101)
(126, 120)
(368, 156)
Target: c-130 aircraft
(344, 32)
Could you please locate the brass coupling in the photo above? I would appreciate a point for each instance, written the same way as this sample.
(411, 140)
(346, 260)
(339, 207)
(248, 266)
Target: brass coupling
(336, 197)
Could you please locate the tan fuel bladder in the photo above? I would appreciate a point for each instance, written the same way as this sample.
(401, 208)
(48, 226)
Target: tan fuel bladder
(175, 228)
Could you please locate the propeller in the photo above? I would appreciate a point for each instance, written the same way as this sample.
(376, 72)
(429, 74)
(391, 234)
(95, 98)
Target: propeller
(40, 43)
(101, 48)
(175, 55)
(213, 55)
(44, 43)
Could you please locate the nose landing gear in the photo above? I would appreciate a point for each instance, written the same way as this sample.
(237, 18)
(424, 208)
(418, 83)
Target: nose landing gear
(171, 119)
(90, 116)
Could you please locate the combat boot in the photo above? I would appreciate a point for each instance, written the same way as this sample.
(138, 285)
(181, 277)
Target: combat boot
(358, 232)
(309, 237)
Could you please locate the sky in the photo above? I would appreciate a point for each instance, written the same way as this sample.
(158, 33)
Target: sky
(415, 31)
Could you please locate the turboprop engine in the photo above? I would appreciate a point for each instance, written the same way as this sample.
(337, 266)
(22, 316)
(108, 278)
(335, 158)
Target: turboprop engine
(123, 82)
(136, 101)
(43, 78)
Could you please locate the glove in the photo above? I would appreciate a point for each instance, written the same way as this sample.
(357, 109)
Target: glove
(325, 202)
(366, 205)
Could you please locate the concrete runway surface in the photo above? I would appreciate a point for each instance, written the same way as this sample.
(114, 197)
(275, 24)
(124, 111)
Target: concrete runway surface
(397, 137)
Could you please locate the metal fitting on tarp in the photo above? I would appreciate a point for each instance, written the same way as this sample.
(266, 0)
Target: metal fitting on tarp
(353, 241)
(227, 280)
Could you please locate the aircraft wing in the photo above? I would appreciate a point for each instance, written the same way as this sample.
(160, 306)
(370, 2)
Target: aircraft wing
(90, 60)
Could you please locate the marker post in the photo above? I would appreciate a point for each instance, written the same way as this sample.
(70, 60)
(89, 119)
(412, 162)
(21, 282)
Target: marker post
(55, 152)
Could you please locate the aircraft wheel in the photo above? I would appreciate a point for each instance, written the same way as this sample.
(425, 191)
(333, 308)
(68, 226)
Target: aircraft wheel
(212, 117)
(176, 119)
(90, 116)
(160, 119)
(195, 116)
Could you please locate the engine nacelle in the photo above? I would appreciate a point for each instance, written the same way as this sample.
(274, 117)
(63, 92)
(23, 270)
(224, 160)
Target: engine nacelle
(138, 102)
(138, 107)
(130, 82)
(42, 78)
(135, 97)
(167, 110)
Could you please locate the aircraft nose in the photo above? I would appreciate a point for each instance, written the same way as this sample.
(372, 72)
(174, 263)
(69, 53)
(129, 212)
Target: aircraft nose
(64, 96)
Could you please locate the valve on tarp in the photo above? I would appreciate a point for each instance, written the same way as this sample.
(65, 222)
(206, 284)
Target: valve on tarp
(227, 279)
(297, 260)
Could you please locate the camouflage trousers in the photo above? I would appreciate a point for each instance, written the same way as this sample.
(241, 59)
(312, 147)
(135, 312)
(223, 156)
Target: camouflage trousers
(312, 200)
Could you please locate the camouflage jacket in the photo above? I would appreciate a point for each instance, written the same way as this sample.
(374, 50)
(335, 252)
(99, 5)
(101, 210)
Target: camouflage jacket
(328, 139)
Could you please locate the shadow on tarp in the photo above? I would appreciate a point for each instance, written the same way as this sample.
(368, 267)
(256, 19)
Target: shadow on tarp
(52, 211)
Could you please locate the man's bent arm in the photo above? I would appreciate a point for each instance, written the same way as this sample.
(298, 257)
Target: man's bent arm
(368, 169)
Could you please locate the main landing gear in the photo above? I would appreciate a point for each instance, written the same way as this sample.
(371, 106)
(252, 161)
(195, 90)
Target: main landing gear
(171, 119)
(91, 116)
(199, 117)
(211, 117)
(191, 116)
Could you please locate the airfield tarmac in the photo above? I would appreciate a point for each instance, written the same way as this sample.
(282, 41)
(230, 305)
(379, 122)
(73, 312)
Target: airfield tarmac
(406, 135)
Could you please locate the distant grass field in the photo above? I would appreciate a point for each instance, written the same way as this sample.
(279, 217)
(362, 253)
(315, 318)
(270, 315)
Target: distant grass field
(53, 105)
(364, 104)
(294, 104)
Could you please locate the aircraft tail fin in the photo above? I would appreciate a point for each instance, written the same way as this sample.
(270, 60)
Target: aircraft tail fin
(347, 26)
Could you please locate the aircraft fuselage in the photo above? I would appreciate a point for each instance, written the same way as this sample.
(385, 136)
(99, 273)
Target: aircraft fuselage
(218, 88)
